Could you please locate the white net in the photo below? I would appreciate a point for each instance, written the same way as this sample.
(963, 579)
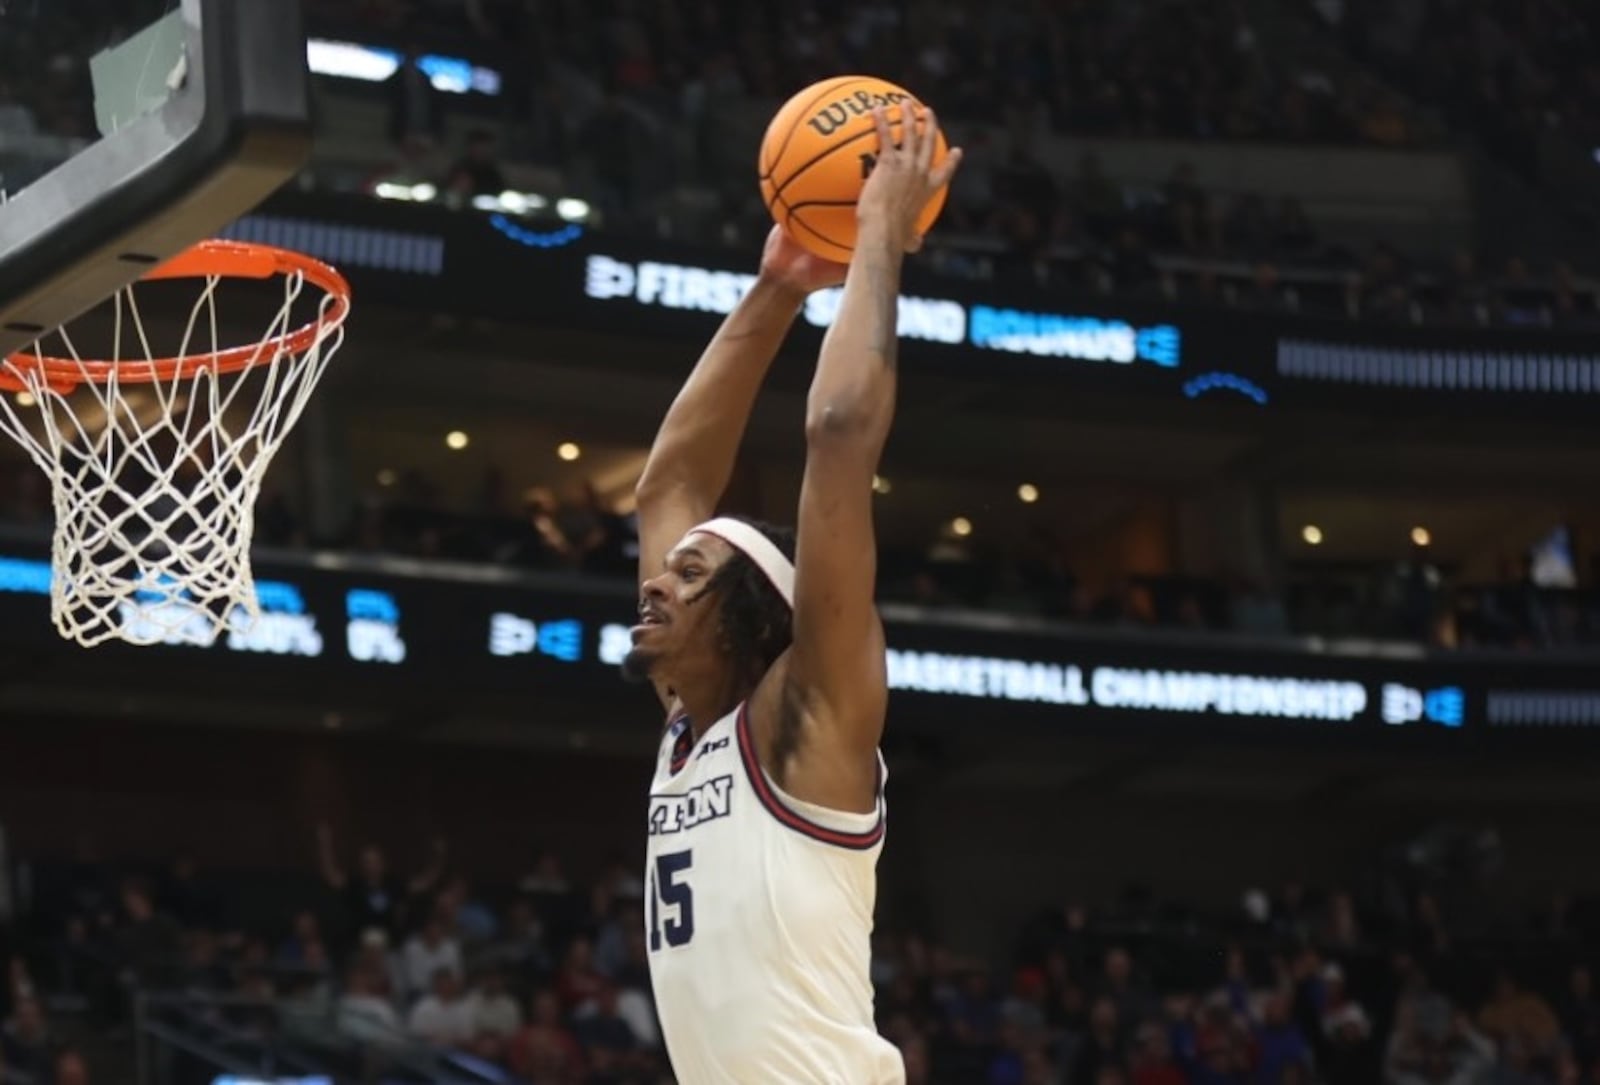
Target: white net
(155, 479)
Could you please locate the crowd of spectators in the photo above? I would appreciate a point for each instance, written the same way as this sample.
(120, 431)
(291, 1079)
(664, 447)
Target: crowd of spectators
(623, 107)
(1510, 72)
(618, 100)
(1153, 68)
(1411, 598)
(548, 978)
(623, 89)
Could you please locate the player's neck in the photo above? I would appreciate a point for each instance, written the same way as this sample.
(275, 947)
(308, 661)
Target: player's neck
(707, 702)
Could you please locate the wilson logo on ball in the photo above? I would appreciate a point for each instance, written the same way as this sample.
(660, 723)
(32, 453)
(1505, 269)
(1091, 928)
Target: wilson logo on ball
(818, 151)
(829, 119)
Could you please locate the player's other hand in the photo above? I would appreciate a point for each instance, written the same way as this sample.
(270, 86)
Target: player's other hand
(904, 178)
(784, 262)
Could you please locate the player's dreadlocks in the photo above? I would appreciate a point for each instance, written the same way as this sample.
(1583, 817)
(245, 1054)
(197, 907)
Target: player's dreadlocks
(756, 625)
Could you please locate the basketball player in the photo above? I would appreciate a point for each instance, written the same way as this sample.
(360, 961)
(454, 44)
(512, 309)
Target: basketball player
(767, 808)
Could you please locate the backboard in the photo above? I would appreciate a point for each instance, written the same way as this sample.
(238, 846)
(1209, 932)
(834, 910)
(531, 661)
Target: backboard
(130, 131)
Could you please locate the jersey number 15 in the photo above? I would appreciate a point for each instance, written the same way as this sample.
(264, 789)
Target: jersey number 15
(669, 888)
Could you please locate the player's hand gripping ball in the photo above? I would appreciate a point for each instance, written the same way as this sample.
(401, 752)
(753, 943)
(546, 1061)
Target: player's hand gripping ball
(818, 152)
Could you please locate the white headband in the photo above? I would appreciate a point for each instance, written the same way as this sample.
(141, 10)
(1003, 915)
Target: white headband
(761, 550)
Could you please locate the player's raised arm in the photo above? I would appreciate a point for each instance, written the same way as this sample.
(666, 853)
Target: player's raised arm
(836, 665)
(692, 457)
(691, 460)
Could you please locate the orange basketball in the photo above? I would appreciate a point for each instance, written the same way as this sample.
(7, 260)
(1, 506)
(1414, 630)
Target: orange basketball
(817, 154)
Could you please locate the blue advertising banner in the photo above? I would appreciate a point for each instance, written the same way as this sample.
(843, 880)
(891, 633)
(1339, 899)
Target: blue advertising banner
(345, 630)
(427, 258)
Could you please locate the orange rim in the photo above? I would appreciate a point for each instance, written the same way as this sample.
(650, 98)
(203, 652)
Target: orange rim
(222, 259)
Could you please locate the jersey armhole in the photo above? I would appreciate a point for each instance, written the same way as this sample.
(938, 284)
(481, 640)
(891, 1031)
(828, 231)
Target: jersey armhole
(793, 819)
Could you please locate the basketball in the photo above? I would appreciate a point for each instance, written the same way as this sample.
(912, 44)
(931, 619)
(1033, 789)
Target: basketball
(817, 153)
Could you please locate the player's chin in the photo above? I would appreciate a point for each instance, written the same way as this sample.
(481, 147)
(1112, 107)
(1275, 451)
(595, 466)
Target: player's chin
(637, 665)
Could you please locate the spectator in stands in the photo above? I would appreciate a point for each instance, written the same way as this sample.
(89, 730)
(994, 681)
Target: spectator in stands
(1341, 929)
(609, 931)
(1222, 1054)
(427, 953)
(26, 500)
(365, 1013)
(1009, 1057)
(477, 172)
(373, 898)
(972, 1012)
(26, 1041)
(545, 1049)
(493, 1011)
(1580, 1015)
(1236, 981)
(203, 968)
(19, 985)
(623, 880)
(416, 118)
(914, 1051)
(1134, 1001)
(1348, 1055)
(1519, 1066)
(70, 1069)
(188, 899)
(1102, 1048)
(636, 1005)
(375, 954)
(1279, 1043)
(1024, 1008)
(276, 523)
(547, 886)
(578, 981)
(148, 942)
(443, 1017)
(1518, 1017)
(471, 920)
(1432, 1042)
(521, 946)
(304, 941)
(603, 1031)
(1152, 1062)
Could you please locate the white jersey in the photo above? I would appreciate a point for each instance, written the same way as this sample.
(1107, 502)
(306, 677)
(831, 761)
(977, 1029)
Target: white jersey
(759, 921)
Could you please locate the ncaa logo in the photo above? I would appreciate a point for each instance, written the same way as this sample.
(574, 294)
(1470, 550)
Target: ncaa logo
(607, 278)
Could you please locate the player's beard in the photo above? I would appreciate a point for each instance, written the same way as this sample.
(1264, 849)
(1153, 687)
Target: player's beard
(637, 665)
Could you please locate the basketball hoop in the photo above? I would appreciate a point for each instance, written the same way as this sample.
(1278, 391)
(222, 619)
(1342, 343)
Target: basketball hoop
(156, 458)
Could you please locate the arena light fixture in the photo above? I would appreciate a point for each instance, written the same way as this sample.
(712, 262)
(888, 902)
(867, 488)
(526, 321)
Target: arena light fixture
(961, 527)
(880, 485)
(456, 440)
(421, 192)
(1312, 534)
(512, 202)
(1027, 493)
(351, 60)
(568, 451)
(1421, 536)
